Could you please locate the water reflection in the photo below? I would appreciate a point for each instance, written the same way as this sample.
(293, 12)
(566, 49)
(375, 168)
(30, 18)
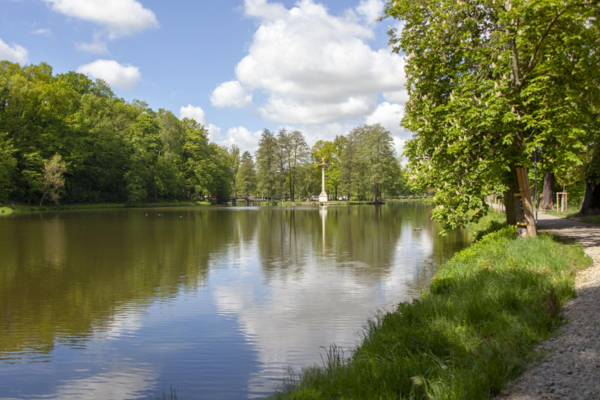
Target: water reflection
(217, 301)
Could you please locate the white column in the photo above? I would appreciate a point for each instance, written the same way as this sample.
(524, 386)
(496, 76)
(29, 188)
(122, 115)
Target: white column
(323, 195)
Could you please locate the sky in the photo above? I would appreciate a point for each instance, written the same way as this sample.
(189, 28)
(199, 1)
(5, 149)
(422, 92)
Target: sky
(236, 66)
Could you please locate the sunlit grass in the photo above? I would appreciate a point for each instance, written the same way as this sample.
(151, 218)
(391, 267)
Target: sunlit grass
(467, 337)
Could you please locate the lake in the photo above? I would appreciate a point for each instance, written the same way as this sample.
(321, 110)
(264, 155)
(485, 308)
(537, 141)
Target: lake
(218, 302)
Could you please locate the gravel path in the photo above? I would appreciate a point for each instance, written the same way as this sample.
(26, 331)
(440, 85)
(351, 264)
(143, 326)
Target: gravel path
(571, 367)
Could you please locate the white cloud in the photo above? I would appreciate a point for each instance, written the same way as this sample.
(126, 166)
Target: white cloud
(214, 133)
(117, 17)
(389, 116)
(196, 113)
(244, 138)
(400, 96)
(120, 76)
(42, 31)
(95, 47)
(316, 68)
(15, 53)
(230, 94)
(370, 9)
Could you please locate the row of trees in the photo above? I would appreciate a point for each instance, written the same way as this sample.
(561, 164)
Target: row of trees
(68, 136)
(361, 165)
(65, 134)
(489, 83)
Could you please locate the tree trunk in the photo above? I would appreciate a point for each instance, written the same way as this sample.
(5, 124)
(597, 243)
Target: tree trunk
(591, 199)
(234, 202)
(527, 205)
(43, 196)
(548, 193)
(515, 214)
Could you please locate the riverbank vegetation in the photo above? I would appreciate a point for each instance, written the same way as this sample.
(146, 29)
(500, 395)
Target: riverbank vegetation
(489, 84)
(467, 337)
(360, 166)
(7, 210)
(65, 137)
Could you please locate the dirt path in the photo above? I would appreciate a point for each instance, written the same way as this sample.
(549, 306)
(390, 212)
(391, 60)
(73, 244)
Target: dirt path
(571, 367)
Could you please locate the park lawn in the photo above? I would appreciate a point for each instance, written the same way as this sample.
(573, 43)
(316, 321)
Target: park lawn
(7, 210)
(471, 333)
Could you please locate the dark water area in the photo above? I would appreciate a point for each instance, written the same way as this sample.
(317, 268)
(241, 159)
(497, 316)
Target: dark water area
(218, 302)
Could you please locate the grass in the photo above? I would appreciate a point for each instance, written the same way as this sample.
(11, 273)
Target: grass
(592, 219)
(7, 210)
(268, 204)
(352, 203)
(471, 333)
(492, 222)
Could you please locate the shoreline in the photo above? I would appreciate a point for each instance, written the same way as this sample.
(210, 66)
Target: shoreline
(468, 336)
(6, 210)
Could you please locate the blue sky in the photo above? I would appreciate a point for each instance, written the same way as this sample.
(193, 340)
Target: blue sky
(238, 66)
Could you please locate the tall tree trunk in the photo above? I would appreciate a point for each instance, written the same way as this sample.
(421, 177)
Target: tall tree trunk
(234, 201)
(515, 214)
(525, 197)
(548, 193)
(591, 199)
(291, 186)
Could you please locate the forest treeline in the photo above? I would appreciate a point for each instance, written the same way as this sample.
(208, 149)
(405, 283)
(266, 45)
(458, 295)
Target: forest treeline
(67, 137)
(361, 165)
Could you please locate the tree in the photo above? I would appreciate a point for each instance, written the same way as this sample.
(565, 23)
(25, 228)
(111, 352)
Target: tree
(266, 162)
(198, 159)
(7, 168)
(53, 180)
(350, 163)
(328, 151)
(234, 165)
(378, 158)
(282, 152)
(297, 155)
(548, 191)
(489, 82)
(591, 199)
(246, 177)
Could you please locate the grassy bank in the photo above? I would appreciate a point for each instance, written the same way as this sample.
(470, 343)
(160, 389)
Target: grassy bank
(7, 210)
(467, 337)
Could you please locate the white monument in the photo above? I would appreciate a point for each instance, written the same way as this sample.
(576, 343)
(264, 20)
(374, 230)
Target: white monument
(323, 195)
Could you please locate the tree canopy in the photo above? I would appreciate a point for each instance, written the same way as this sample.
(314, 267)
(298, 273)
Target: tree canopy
(67, 130)
(489, 82)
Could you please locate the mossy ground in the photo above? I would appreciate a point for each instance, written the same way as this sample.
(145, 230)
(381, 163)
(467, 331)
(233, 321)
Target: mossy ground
(471, 333)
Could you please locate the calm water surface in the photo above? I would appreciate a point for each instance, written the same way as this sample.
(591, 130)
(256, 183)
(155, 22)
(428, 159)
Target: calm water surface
(218, 302)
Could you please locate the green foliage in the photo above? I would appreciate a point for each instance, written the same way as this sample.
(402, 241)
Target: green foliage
(115, 151)
(7, 167)
(246, 176)
(53, 180)
(467, 337)
(489, 82)
(266, 162)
